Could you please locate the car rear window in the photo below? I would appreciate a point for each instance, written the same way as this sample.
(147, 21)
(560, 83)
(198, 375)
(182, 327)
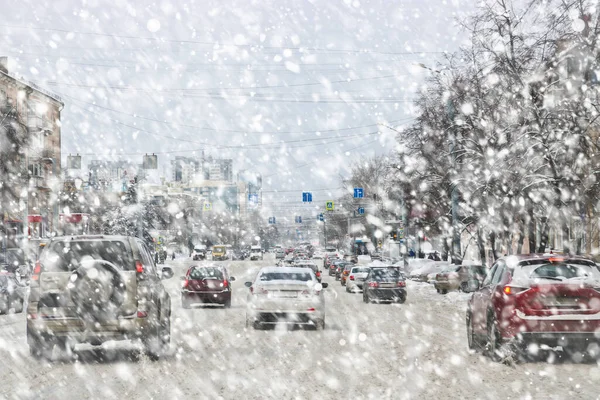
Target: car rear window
(383, 274)
(206, 273)
(562, 271)
(285, 276)
(69, 255)
(359, 270)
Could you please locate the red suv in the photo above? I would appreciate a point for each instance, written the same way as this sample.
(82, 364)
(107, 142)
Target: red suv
(206, 284)
(536, 300)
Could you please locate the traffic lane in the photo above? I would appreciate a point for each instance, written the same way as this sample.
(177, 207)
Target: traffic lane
(416, 350)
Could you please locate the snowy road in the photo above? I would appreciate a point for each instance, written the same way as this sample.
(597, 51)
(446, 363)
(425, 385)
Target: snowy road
(412, 351)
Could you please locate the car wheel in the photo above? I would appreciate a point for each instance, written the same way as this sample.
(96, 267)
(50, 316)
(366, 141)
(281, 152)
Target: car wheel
(471, 341)
(157, 342)
(444, 291)
(347, 289)
(19, 306)
(320, 325)
(494, 341)
(401, 299)
(463, 287)
(227, 303)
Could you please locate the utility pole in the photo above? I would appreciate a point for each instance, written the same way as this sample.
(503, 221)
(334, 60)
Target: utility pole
(456, 247)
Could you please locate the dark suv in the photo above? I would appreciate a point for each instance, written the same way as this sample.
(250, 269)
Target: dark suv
(91, 289)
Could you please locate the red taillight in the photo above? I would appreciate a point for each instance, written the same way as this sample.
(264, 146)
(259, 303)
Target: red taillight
(513, 290)
(186, 283)
(36, 271)
(318, 274)
(345, 272)
(139, 268)
(142, 314)
(225, 283)
(310, 309)
(401, 284)
(373, 284)
(351, 277)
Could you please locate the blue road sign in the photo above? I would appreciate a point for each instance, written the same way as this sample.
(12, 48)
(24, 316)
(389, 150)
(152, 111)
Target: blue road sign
(272, 220)
(253, 198)
(361, 210)
(321, 217)
(298, 219)
(359, 193)
(306, 197)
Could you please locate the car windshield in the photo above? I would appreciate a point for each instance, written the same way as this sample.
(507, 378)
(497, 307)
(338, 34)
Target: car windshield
(285, 276)
(386, 274)
(206, 273)
(360, 270)
(69, 255)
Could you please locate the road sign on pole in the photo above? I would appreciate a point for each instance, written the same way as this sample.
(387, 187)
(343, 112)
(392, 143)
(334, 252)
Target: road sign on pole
(298, 219)
(272, 220)
(306, 197)
(359, 193)
(207, 206)
(329, 205)
(321, 217)
(361, 210)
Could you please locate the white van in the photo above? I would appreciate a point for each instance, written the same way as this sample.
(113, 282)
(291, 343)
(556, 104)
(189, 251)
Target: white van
(256, 253)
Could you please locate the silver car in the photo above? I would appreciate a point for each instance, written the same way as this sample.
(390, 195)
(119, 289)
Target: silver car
(356, 278)
(286, 295)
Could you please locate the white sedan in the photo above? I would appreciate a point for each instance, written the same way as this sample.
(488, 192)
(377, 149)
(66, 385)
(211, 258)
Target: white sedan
(286, 295)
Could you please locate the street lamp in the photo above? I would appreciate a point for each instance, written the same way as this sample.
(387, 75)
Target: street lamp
(451, 112)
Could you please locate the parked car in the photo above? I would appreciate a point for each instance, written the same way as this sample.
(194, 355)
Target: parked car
(12, 293)
(199, 253)
(536, 299)
(206, 284)
(356, 279)
(108, 284)
(384, 284)
(457, 278)
(285, 294)
(432, 267)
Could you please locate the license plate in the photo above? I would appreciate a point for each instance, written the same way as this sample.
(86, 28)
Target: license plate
(286, 294)
(388, 285)
(561, 302)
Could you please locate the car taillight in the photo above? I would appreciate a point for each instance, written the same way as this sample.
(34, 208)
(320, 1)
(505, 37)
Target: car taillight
(186, 283)
(373, 284)
(37, 271)
(351, 277)
(139, 267)
(318, 274)
(401, 284)
(142, 314)
(225, 283)
(513, 290)
(345, 272)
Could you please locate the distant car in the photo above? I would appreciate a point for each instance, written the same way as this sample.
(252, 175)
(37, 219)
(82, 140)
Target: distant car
(219, 253)
(289, 250)
(285, 294)
(313, 266)
(376, 255)
(384, 284)
(256, 253)
(433, 267)
(457, 278)
(318, 255)
(339, 268)
(332, 266)
(536, 300)
(206, 284)
(198, 253)
(279, 254)
(356, 279)
(345, 273)
(12, 293)
(331, 252)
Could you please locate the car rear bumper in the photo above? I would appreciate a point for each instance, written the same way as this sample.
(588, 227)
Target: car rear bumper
(546, 328)
(386, 294)
(205, 297)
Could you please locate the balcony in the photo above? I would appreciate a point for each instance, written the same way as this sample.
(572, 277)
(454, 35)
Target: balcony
(39, 182)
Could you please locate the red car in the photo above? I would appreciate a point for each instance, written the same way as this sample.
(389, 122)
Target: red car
(206, 284)
(536, 300)
(289, 250)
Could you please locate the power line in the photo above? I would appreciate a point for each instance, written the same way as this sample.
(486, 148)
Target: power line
(213, 43)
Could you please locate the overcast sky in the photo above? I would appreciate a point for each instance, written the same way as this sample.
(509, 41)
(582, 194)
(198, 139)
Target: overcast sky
(234, 78)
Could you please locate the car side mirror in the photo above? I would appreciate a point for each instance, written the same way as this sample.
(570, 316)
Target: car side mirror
(248, 284)
(167, 273)
(232, 278)
(325, 285)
